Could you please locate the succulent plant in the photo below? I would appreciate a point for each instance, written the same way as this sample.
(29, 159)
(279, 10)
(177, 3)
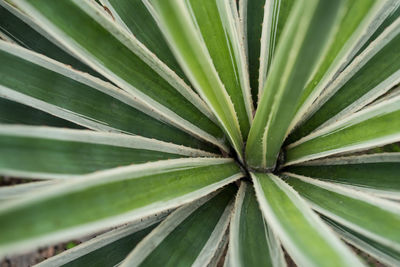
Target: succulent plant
(203, 133)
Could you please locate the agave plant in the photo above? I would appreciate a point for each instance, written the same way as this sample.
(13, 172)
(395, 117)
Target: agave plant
(201, 133)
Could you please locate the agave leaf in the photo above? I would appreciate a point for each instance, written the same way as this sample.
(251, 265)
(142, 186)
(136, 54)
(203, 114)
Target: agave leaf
(108, 249)
(302, 41)
(276, 15)
(134, 17)
(359, 20)
(305, 237)
(370, 75)
(382, 253)
(116, 54)
(189, 236)
(362, 130)
(251, 241)
(219, 29)
(391, 93)
(15, 113)
(221, 252)
(355, 210)
(391, 148)
(21, 29)
(105, 199)
(179, 27)
(4, 37)
(251, 14)
(382, 27)
(375, 173)
(34, 80)
(262, 22)
(63, 153)
(179, 92)
(19, 191)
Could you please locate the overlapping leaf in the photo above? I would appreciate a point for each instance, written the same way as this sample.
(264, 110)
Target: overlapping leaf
(375, 173)
(307, 240)
(96, 104)
(44, 152)
(21, 29)
(358, 22)
(192, 235)
(251, 241)
(355, 210)
(325, 75)
(109, 49)
(373, 73)
(109, 198)
(179, 24)
(372, 127)
(302, 42)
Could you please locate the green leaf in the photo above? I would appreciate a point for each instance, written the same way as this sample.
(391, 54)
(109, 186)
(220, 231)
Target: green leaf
(190, 236)
(395, 147)
(365, 129)
(108, 249)
(98, 41)
(44, 152)
(276, 15)
(218, 28)
(305, 237)
(15, 113)
(302, 42)
(134, 16)
(37, 81)
(380, 252)
(97, 201)
(22, 30)
(373, 217)
(394, 15)
(251, 241)
(376, 173)
(19, 191)
(180, 28)
(369, 76)
(137, 20)
(358, 21)
(252, 16)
